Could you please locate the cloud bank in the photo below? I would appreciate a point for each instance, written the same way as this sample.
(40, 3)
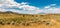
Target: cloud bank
(25, 8)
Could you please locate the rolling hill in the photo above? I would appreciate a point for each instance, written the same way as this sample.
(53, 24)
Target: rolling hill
(15, 20)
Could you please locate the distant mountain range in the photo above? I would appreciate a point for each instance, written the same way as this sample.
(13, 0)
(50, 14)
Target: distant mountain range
(23, 13)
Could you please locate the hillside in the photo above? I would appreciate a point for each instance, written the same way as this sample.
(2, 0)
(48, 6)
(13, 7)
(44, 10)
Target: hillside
(14, 20)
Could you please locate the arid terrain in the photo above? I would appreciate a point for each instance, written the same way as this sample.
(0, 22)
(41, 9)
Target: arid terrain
(14, 20)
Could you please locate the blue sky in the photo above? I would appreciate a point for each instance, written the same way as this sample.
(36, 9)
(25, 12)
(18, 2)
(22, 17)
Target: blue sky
(40, 3)
(31, 6)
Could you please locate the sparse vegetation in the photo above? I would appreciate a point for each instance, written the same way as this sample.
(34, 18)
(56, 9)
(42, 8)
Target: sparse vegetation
(26, 19)
(26, 23)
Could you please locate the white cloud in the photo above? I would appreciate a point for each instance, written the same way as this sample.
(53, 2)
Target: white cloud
(27, 7)
(24, 3)
(11, 4)
(2, 10)
(24, 8)
(53, 10)
(49, 6)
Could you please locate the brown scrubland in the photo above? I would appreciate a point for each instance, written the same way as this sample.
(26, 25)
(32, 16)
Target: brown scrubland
(14, 20)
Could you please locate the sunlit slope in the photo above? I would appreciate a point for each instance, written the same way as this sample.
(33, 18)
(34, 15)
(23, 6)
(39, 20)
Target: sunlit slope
(7, 15)
(11, 15)
(29, 20)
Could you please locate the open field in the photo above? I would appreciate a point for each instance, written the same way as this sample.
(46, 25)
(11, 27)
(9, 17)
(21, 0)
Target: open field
(12, 20)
